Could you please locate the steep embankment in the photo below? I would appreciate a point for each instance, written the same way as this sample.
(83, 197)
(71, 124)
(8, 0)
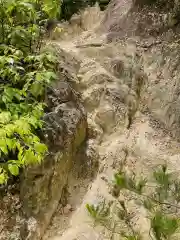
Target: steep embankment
(130, 90)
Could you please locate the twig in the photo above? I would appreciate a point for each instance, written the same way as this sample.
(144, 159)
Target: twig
(163, 203)
(90, 45)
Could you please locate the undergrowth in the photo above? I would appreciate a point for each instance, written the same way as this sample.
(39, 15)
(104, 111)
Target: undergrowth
(25, 73)
(160, 198)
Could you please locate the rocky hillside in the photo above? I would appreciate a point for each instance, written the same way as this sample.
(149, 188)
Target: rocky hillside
(117, 102)
(128, 80)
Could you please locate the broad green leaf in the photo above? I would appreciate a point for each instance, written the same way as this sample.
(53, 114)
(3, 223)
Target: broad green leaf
(50, 76)
(5, 117)
(3, 146)
(10, 129)
(22, 127)
(15, 162)
(40, 148)
(39, 76)
(2, 133)
(3, 176)
(11, 143)
(14, 169)
(37, 89)
(51, 8)
(29, 157)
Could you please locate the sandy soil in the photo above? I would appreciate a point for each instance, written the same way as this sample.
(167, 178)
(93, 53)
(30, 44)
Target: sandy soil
(143, 146)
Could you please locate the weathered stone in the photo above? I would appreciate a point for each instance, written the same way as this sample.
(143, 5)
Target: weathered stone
(89, 153)
(92, 96)
(157, 51)
(117, 67)
(162, 88)
(42, 185)
(129, 18)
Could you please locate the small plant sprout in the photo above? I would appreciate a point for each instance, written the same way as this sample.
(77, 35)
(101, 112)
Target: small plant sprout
(161, 204)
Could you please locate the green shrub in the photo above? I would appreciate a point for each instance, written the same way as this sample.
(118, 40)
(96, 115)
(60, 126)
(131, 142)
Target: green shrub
(24, 75)
(162, 203)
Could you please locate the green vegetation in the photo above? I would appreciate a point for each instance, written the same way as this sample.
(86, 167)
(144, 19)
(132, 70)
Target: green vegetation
(161, 200)
(24, 74)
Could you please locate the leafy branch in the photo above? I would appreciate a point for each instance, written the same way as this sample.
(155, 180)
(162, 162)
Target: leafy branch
(25, 73)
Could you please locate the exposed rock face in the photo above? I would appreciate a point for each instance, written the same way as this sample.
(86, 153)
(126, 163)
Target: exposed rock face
(153, 39)
(130, 88)
(140, 19)
(65, 131)
(161, 97)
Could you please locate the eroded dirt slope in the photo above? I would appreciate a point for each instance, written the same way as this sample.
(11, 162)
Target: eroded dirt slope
(130, 90)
